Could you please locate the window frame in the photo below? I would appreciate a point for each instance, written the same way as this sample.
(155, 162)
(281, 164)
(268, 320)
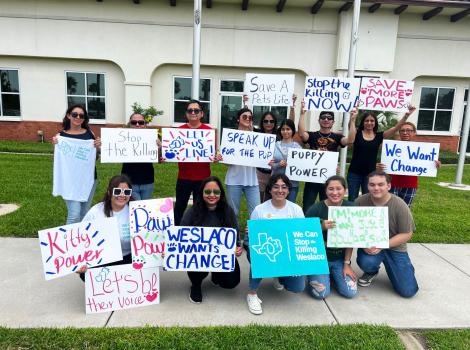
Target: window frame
(436, 132)
(11, 118)
(176, 123)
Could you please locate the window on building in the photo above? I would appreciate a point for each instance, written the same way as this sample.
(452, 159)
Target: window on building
(182, 94)
(10, 93)
(87, 89)
(435, 108)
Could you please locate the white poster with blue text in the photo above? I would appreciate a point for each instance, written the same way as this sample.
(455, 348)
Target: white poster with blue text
(188, 145)
(410, 158)
(311, 165)
(269, 89)
(331, 93)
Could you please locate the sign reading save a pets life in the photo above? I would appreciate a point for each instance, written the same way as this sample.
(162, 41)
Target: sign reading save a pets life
(209, 249)
(270, 89)
(129, 145)
(188, 145)
(410, 158)
(311, 165)
(358, 227)
(385, 94)
(147, 224)
(65, 249)
(120, 287)
(247, 148)
(286, 247)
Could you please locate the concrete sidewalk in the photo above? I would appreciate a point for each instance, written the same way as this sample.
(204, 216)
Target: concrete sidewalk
(443, 273)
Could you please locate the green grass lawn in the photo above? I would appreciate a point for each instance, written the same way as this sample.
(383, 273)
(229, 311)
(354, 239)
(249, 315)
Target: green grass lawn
(448, 339)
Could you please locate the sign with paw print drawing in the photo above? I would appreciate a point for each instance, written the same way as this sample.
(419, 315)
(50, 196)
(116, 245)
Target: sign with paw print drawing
(286, 247)
(188, 145)
(120, 287)
(147, 223)
(385, 94)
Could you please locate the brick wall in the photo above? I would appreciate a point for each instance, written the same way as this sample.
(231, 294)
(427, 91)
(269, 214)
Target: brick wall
(448, 143)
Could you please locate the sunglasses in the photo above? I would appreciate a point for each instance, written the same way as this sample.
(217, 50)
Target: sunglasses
(137, 122)
(327, 116)
(214, 192)
(246, 117)
(193, 110)
(77, 115)
(117, 191)
(268, 121)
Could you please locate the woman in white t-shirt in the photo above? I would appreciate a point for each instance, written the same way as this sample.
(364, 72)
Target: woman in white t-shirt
(278, 207)
(115, 204)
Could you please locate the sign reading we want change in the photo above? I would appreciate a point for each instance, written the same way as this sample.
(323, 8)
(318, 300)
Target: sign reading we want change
(188, 145)
(311, 165)
(270, 89)
(385, 94)
(129, 145)
(358, 227)
(65, 249)
(410, 158)
(286, 247)
(209, 249)
(247, 148)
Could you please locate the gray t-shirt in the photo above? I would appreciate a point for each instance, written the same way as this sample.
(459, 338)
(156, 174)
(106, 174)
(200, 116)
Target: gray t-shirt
(400, 219)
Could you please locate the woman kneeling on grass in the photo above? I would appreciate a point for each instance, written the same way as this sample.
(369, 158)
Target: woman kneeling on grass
(339, 259)
(115, 203)
(278, 207)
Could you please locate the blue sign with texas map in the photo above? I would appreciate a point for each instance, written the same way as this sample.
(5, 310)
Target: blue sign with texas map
(286, 247)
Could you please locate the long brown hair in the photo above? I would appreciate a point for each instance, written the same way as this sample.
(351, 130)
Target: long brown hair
(66, 120)
(114, 182)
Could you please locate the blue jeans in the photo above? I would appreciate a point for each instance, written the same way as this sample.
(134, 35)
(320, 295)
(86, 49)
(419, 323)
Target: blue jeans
(293, 194)
(141, 192)
(398, 266)
(355, 182)
(319, 285)
(311, 190)
(76, 210)
(234, 194)
(294, 284)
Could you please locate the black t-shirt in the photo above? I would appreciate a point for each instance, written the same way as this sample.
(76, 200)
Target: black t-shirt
(139, 173)
(364, 155)
(324, 142)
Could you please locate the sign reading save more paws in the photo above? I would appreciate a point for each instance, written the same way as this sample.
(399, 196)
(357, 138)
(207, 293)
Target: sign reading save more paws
(385, 94)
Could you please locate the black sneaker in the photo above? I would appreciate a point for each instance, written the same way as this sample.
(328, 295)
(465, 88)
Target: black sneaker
(195, 294)
(366, 279)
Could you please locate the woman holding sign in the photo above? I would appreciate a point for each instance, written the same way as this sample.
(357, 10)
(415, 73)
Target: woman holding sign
(212, 210)
(339, 259)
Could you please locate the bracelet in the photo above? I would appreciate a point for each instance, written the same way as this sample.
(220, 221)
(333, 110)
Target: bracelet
(348, 262)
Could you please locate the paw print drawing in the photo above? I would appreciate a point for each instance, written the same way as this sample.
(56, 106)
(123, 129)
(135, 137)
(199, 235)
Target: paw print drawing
(102, 275)
(171, 247)
(170, 154)
(138, 263)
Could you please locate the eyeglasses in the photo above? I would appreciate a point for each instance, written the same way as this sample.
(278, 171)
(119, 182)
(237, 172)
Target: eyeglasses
(139, 122)
(77, 115)
(327, 116)
(246, 117)
(268, 121)
(215, 192)
(406, 131)
(193, 110)
(117, 191)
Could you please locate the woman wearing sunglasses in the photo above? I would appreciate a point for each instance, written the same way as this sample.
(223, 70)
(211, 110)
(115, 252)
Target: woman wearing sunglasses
(75, 126)
(115, 204)
(212, 210)
(141, 174)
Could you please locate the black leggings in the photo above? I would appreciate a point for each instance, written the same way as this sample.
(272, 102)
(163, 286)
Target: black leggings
(227, 280)
(125, 260)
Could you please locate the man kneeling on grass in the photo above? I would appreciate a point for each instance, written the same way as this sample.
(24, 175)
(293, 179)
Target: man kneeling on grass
(397, 263)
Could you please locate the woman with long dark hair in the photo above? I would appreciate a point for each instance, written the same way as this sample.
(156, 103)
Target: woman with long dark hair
(267, 125)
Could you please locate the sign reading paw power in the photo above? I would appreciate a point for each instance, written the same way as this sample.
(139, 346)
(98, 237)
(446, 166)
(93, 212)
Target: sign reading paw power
(286, 247)
(188, 145)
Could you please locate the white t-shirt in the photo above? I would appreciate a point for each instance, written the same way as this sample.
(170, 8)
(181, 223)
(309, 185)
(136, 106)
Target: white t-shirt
(97, 212)
(266, 210)
(241, 175)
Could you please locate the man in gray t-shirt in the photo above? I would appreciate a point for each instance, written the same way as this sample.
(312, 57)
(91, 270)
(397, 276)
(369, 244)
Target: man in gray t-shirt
(397, 263)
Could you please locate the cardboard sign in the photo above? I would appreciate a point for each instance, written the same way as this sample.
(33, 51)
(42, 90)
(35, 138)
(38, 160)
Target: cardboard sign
(311, 165)
(286, 247)
(129, 145)
(120, 287)
(147, 223)
(188, 145)
(410, 158)
(247, 148)
(209, 249)
(331, 93)
(270, 89)
(64, 249)
(385, 94)
(358, 227)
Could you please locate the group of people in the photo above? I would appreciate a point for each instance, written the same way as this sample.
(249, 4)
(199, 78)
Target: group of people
(271, 194)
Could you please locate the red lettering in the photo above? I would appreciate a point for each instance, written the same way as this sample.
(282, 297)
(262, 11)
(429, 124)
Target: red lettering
(53, 244)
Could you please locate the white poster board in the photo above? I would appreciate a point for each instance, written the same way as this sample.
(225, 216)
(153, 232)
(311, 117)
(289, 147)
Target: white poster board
(331, 93)
(358, 227)
(410, 158)
(269, 89)
(129, 145)
(385, 94)
(188, 145)
(311, 165)
(247, 148)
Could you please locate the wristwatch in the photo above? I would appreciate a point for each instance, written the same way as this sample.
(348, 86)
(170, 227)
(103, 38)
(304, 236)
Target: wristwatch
(347, 262)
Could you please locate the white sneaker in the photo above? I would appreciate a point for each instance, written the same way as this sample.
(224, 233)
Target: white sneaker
(254, 304)
(277, 285)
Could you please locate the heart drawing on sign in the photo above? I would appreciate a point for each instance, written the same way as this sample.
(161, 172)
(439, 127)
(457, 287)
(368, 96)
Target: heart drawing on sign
(167, 205)
(151, 296)
(364, 91)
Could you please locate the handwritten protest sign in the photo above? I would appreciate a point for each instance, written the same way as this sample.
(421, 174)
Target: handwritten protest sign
(311, 165)
(385, 94)
(120, 287)
(129, 145)
(286, 247)
(358, 227)
(247, 148)
(200, 249)
(147, 223)
(270, 89)
(64, 249)
(410, 158)
(188, 145)
(331, 93)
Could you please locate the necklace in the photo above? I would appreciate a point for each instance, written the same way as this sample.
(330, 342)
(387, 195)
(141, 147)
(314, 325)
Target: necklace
(323, 135)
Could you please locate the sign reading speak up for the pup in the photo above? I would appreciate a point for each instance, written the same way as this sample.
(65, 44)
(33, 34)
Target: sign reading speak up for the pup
(270, 89)
(311, 165)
